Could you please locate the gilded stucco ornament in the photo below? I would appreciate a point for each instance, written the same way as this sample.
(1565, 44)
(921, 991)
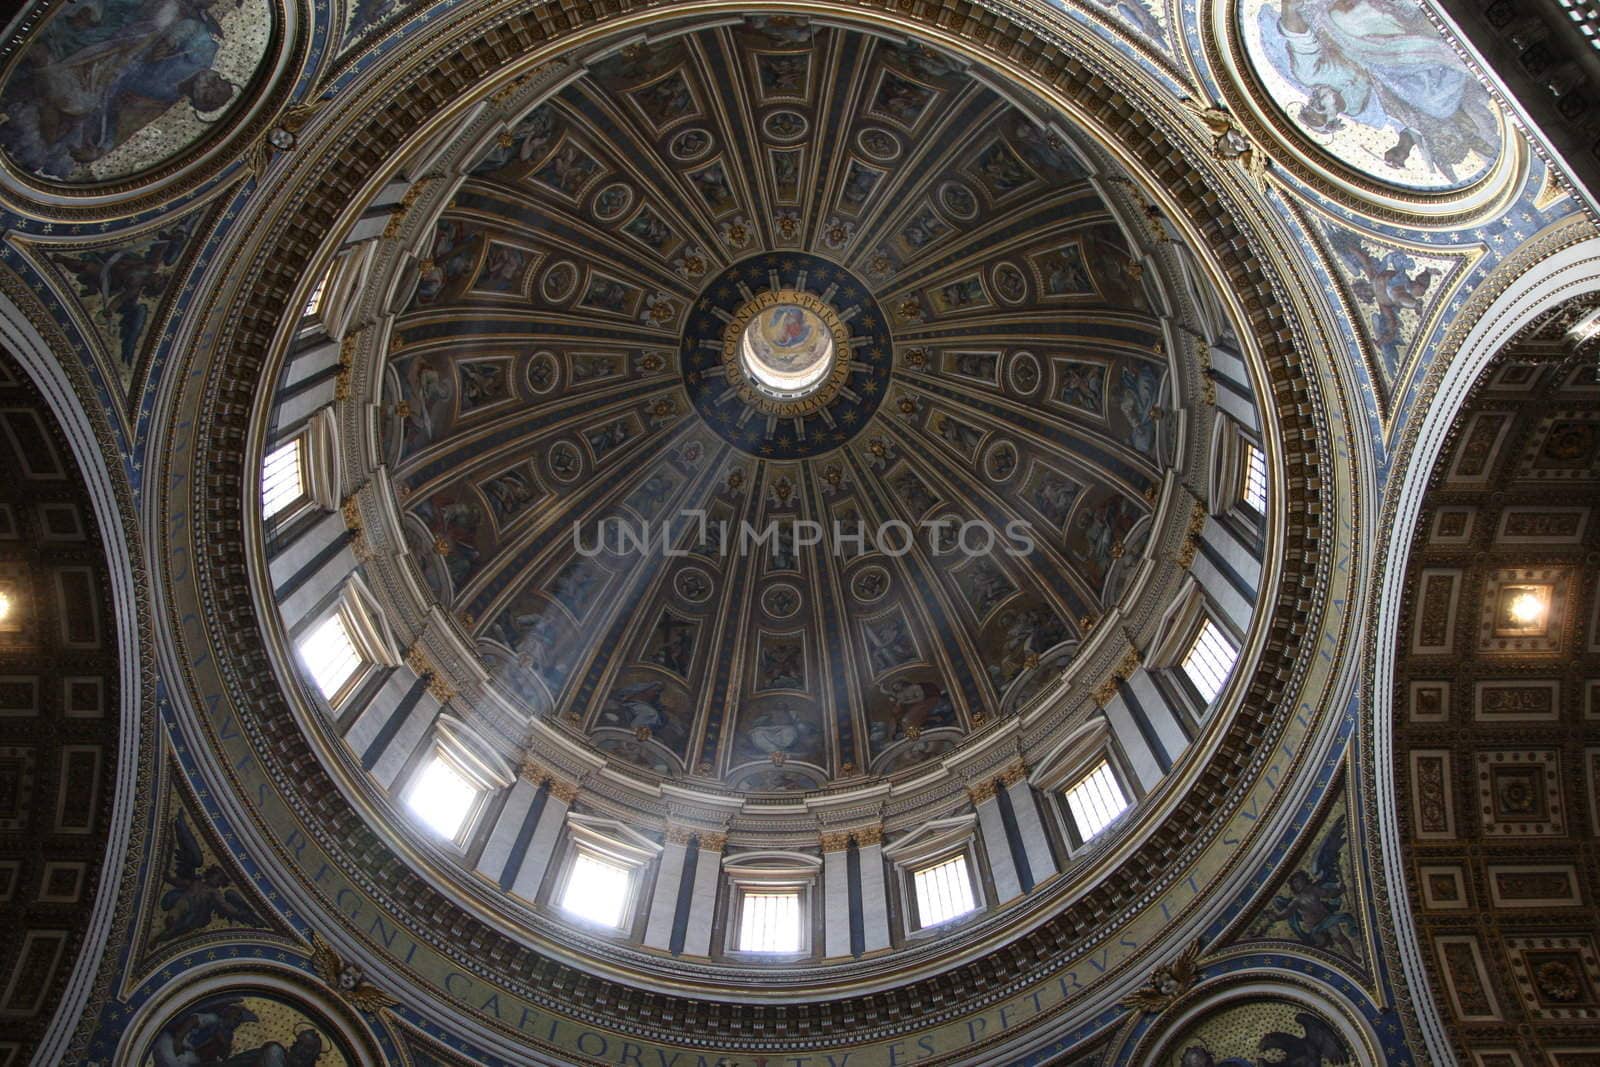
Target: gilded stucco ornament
(1168, 982)
(281, 136)
(1229, 143)
(347, 979)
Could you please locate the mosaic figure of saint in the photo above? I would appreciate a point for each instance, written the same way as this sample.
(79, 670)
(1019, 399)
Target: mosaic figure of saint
(1359, 58)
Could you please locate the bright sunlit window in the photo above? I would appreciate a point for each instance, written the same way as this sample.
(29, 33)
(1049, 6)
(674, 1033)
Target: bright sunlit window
(1096, 800)
(282, 482)
(442, 798)
(597, 890)
(330, 655)
(1255, 478)
(314, 302)
(944, 891)
(769, 921)
(1209, 660)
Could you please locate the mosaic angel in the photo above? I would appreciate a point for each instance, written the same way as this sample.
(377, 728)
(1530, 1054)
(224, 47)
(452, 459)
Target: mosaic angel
(200, 894)
(1393, 283)
(1314, 907)
(128, 282)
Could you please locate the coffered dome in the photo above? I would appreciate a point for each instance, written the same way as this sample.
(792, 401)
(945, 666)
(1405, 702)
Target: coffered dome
(858, 532)
(769, 462)
(777, 403)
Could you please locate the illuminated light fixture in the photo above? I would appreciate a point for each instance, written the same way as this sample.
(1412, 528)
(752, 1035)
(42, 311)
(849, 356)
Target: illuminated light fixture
(1523, 610)
(1526, 609)
(10, 608)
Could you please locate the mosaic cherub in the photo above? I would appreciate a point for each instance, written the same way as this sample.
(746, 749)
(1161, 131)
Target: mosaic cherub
(1393, 284)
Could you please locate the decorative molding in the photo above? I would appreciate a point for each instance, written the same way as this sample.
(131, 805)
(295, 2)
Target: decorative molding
(281, 136)
(351, 510)
(348, 980)
(438, 688)
(835, 840)
(1230, 144)
(1167, 982)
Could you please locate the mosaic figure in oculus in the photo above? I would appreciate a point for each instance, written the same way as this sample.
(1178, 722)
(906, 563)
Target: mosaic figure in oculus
(1376, 86)
(228, 1030)
(111, 88)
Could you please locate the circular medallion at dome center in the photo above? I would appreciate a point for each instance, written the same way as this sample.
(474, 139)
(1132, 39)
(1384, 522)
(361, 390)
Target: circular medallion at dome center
(786, 349)
(786, 355)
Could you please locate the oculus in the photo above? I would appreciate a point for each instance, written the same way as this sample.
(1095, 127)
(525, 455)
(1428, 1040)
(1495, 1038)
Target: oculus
(787, 349)
(777, 369)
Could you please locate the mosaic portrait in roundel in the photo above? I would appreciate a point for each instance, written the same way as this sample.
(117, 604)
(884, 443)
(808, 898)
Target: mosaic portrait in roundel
(1375, 86)
(111, 88)
(247, 1028)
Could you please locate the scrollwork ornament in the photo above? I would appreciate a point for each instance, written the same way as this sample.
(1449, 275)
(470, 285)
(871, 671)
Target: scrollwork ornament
(281, 136)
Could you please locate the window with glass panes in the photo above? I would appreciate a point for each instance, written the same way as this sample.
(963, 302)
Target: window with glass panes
(1095, 800)
(1209, 660)
(597, 889)
(442, 798)
(944, 891)
(1255, 478)
(769, 920)
(330, 656)
(282, 478)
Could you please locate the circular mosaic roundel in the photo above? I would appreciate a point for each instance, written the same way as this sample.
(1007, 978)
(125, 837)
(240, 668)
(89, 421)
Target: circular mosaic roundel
(787, 348)
(786, 355)
(1376, 87)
